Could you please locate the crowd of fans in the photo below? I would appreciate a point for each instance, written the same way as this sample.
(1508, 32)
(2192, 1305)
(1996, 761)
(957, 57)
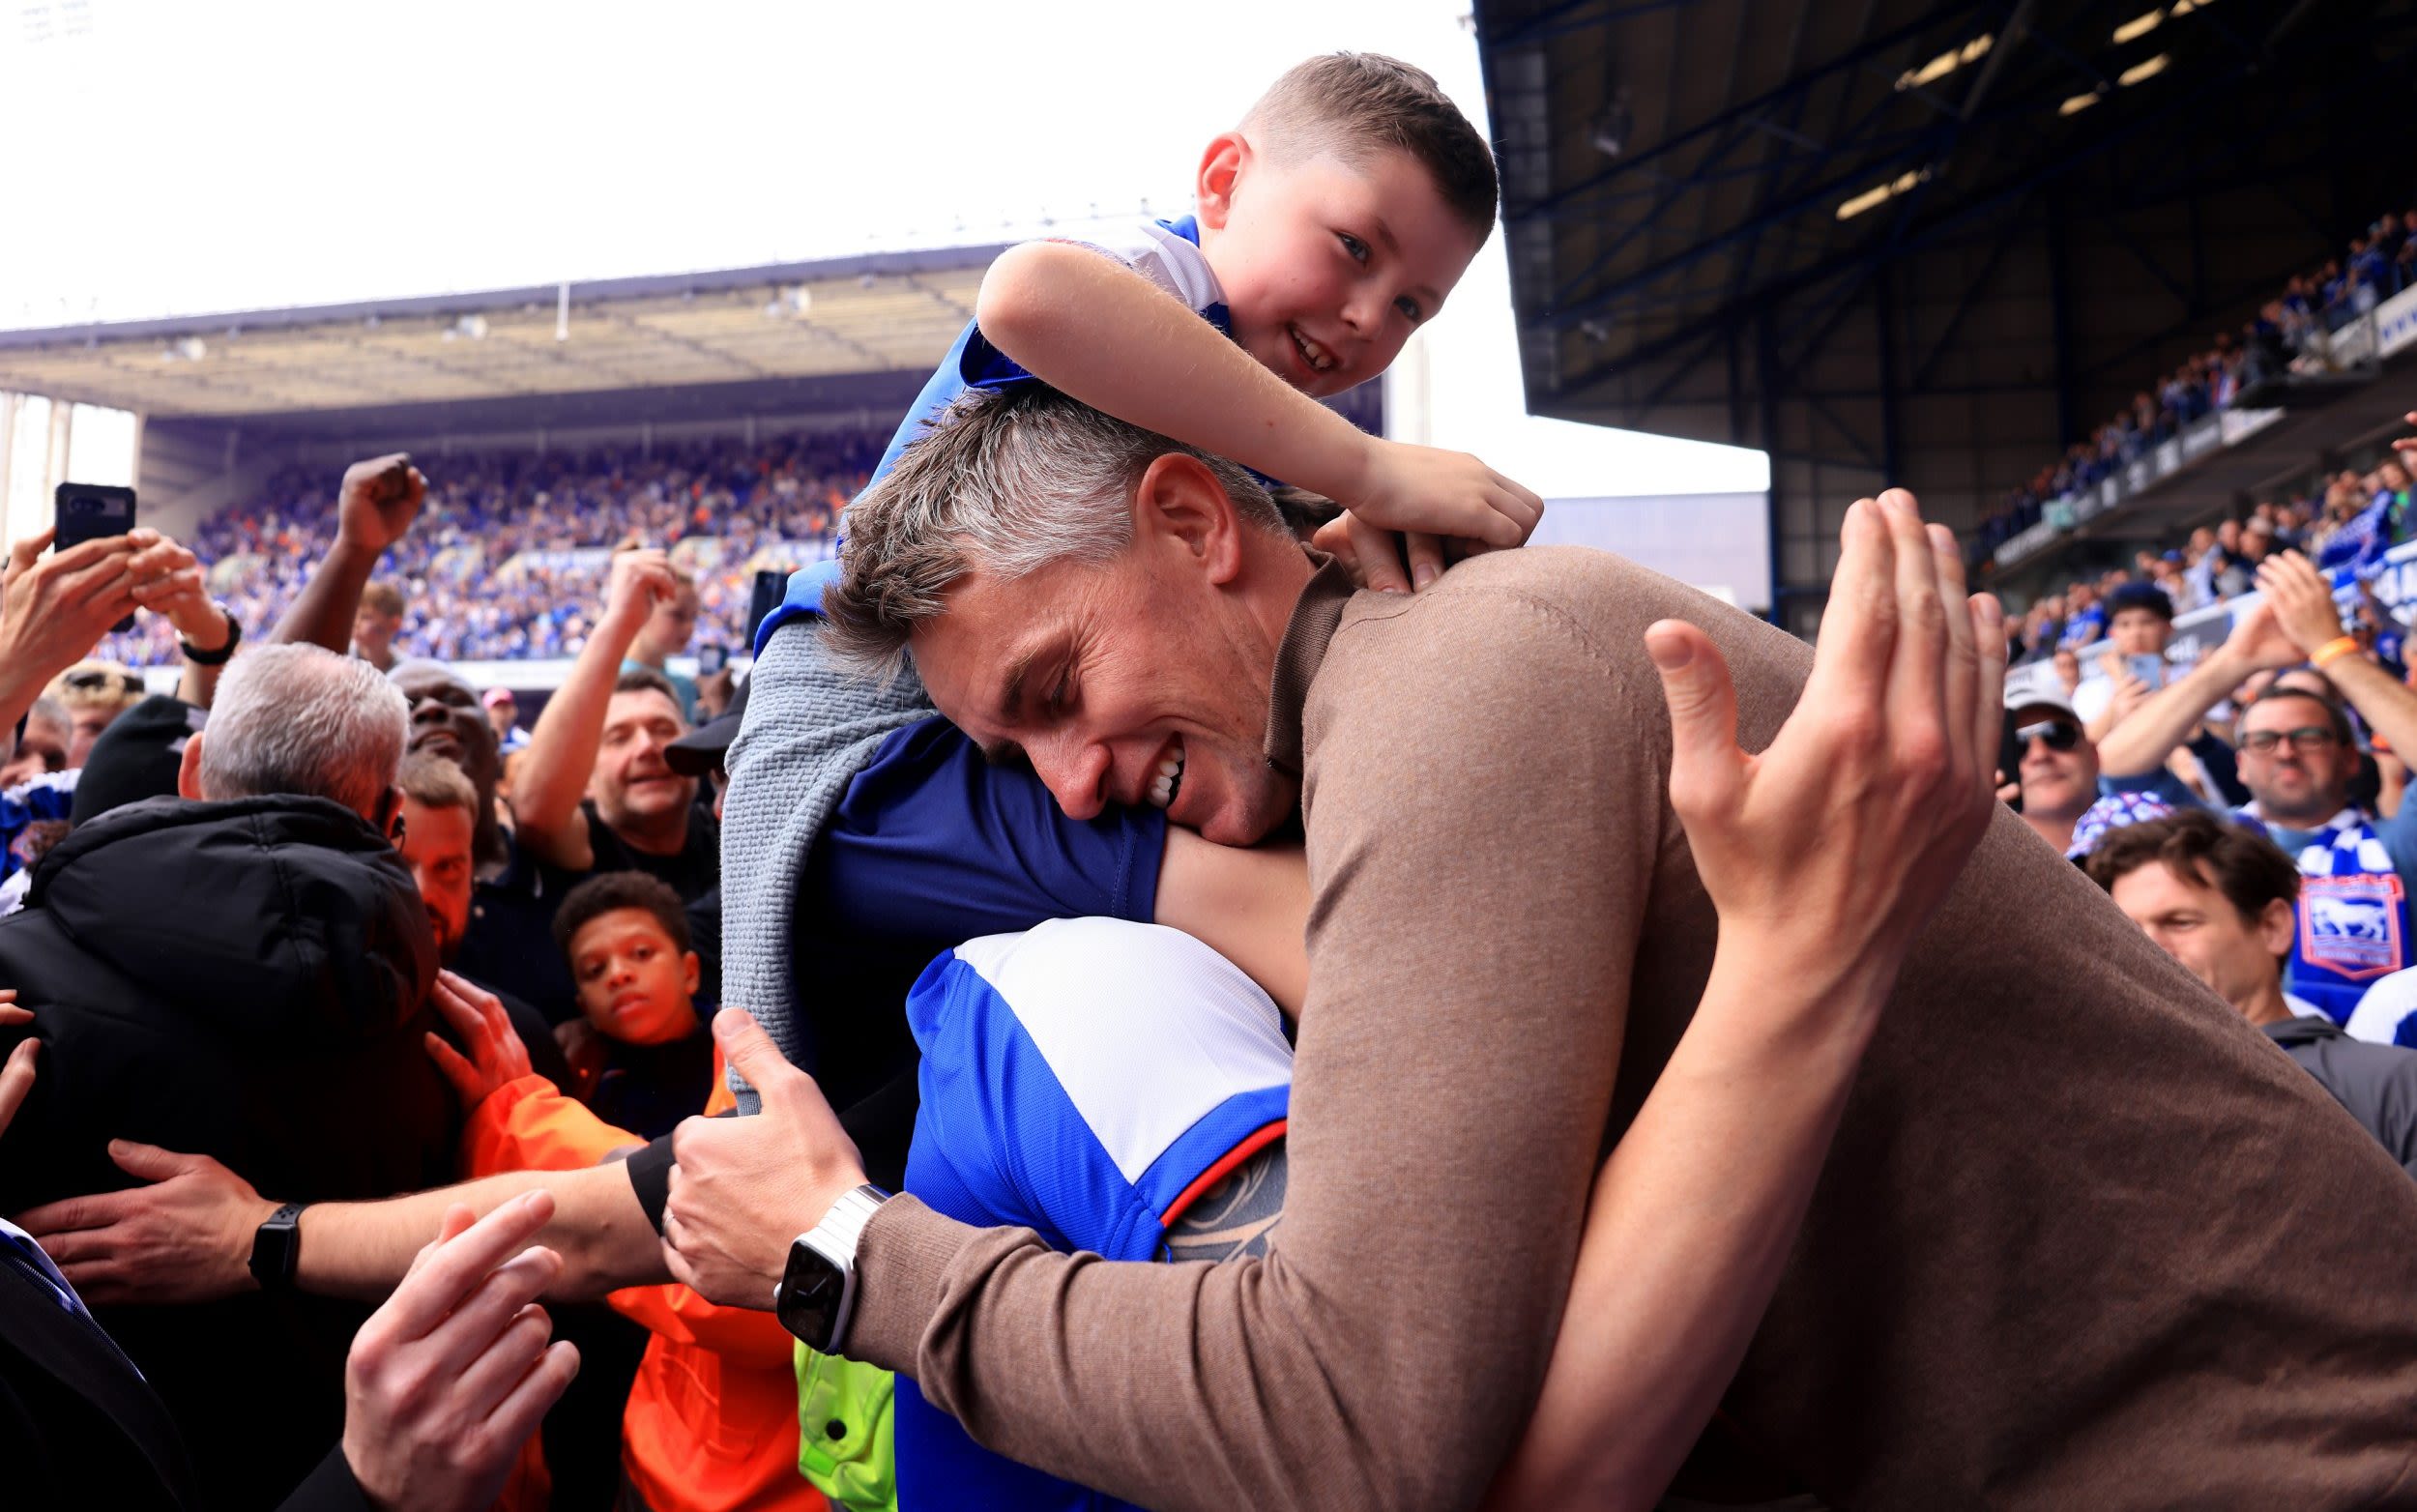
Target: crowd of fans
(460, 603)
(2291, 333)
(2344, 524)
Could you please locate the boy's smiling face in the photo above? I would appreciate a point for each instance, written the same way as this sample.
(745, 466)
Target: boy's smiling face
(1327, 268)
(634, 983)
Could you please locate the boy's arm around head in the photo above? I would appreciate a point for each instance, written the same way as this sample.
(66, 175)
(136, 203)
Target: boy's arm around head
(1453, 1078)
(1099, 331)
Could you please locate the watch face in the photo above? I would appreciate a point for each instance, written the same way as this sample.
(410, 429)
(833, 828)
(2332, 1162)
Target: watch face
(810, 1290)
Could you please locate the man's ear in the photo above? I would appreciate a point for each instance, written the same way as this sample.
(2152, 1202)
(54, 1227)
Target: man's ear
(2277, 926)
(1182, 504)
(1221, 166)
(690, 971)
(189, 768)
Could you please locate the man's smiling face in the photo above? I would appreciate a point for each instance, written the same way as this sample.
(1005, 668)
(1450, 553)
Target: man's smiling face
(1118, 686)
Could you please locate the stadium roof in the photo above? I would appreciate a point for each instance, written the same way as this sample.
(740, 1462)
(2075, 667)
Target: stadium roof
(771, 329)
(1924, 241)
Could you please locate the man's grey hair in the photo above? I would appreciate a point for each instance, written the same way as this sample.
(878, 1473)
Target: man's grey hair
(304, 721)
(1006, 482)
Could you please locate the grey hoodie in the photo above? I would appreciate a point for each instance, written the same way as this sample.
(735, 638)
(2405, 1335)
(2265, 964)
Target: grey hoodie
(2376, 1083)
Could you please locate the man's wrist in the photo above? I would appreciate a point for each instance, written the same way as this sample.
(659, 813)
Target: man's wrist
(207, 630)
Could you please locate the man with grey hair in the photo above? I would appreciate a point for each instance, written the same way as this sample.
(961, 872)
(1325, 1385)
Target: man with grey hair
(243, 971)
(1509, 935)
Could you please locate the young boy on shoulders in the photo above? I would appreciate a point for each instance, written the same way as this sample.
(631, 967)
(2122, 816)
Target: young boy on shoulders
(1334, 220)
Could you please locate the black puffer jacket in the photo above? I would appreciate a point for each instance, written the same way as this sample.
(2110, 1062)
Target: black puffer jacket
(250, 980)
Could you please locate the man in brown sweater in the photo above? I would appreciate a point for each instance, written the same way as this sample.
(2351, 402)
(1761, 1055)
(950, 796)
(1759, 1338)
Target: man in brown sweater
(2061, 1255)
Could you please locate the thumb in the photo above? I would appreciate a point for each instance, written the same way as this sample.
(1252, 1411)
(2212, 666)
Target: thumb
(745, 1046)
(150, 1161)
(1705, 762)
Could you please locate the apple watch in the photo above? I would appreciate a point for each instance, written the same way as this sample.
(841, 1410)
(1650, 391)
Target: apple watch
(277, 1248)
(817, 1292)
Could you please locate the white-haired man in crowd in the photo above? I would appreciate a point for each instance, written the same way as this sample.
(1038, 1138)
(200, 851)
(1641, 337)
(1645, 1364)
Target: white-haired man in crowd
(243, 971)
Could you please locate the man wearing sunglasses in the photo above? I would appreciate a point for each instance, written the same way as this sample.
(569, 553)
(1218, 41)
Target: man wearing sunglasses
(2297, 757)
(2057, 768)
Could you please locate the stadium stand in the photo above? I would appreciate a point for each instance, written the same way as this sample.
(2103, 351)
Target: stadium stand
(510, 558)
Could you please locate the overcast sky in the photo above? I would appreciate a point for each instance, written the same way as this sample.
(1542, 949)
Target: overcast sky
(172, 157)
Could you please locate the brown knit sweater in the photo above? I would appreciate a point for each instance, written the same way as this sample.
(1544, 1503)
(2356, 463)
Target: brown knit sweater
(2085, 1238)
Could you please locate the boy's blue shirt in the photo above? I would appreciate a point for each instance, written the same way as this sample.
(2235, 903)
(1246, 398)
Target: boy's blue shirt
(1155, 251)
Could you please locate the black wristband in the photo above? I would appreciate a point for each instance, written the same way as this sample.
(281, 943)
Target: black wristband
(220, 656)
(277, 1248)
(649, 1177)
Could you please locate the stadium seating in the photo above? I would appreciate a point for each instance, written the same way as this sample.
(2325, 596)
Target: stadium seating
(507, 561)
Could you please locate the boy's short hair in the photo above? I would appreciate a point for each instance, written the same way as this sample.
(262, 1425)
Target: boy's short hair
(2249, 869)
(613, 890)
(1354, 105)
(434, 782)
(383, 597)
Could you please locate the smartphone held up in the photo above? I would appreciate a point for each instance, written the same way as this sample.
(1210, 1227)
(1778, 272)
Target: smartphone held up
(92, 511)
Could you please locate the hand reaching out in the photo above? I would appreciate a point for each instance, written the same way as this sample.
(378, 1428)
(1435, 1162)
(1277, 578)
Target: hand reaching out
(183, 1236)
(447, 1380)
(496, 1053)
(378, 500)
(1835, 845)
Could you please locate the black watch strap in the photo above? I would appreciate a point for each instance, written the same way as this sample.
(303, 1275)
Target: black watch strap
(224, 654)
(277, 1248)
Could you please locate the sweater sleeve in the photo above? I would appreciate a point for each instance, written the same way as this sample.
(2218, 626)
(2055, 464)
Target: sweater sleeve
(1472, 941)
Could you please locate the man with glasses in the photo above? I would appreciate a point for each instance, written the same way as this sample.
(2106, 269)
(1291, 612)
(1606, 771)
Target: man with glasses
(2297, 757)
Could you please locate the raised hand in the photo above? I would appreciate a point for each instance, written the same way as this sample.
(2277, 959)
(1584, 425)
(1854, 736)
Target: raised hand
(2259, 643)
(168, 580)
(2407, 446)
(1833, 847)
(496, 1053)
(641, 579)
(1436, 501)
(446, 1380)
(743, 1188)
(2302, 599)
(185, 1237)
(55, 608)
(377, 501)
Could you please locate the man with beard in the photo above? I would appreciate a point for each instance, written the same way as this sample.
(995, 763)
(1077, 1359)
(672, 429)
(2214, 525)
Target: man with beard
(441, 815)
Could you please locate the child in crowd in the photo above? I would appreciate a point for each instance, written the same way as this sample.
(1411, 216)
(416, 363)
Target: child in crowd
(644, 1056)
